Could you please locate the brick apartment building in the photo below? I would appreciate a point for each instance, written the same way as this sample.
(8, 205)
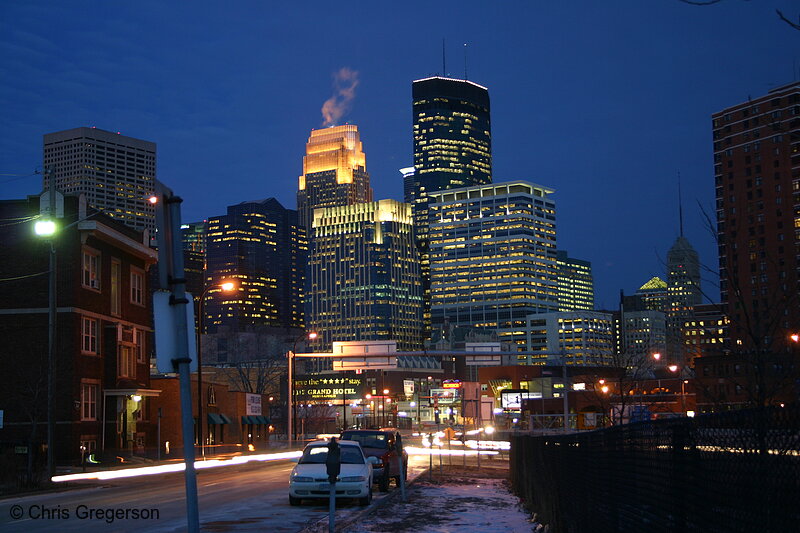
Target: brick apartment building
(104, 333)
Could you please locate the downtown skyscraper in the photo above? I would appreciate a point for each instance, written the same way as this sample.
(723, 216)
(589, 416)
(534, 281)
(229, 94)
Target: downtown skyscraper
(493, 257)
(365, 275)
(683, 293)
(334, 172)
(116, 173)
(262, 247)
(452, 149)
(575, 283)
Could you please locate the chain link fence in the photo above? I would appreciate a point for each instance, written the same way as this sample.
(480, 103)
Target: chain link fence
(723, 472)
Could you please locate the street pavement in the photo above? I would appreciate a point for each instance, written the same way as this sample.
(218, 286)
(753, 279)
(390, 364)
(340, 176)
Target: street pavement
(245, 497)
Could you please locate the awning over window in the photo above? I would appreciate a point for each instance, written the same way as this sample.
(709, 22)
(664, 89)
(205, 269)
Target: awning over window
(214, 418)
(255, 420)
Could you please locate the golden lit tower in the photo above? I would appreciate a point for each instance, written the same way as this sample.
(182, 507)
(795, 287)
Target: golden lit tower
(334, 171)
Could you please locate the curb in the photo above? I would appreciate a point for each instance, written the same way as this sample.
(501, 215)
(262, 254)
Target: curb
(322, 524)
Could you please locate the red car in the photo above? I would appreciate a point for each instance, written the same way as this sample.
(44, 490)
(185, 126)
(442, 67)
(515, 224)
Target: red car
(383, 444)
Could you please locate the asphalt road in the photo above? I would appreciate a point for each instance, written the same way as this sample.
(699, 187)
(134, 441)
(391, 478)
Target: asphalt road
(247, 497)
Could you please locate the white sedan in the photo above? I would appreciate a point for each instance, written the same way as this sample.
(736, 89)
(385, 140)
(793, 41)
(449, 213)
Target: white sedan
(309, 479)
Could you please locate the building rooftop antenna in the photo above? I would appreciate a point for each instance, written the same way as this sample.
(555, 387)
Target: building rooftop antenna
(465, 62)
(680, 205)
(444, 62)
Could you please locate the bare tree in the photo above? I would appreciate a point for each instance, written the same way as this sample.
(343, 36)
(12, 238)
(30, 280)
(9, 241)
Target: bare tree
(780, 14)
(768, 365)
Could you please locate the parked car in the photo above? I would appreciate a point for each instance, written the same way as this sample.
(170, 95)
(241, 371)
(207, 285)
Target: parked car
(382, 444)
(309, 478)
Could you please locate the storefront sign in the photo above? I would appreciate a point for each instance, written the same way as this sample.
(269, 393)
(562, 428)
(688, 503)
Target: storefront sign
(451, 384)
(253, 404)
(328, 389)
(408, 387)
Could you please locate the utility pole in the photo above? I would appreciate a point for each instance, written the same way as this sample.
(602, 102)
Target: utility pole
(51, 333)
(170, 255)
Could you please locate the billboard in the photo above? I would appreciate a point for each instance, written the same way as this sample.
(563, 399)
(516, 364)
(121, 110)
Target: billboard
(444, 396)
(511, 400)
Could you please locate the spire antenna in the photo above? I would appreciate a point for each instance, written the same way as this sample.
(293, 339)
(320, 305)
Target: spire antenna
(680, 205)
(444, 61)
(465, 62)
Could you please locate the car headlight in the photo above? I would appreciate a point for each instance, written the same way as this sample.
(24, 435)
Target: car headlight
(302, 479)
(353, 478)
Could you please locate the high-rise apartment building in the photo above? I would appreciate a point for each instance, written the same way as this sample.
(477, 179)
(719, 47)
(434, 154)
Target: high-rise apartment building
(263, 247)
(116, 173)
(757, 178)
(493, 257)
(575, 283)
(334, 172)
(365, 275)
(452, 149)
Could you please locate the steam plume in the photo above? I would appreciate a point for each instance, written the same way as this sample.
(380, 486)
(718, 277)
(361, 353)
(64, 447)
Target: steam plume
(345, 82)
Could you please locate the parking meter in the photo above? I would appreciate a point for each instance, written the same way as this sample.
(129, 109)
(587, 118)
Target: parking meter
(334, 460)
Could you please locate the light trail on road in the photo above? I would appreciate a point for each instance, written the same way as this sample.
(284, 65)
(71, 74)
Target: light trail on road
(176, 467)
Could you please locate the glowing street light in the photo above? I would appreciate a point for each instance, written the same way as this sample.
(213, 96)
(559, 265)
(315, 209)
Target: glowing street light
(225, 286)
(291, 414)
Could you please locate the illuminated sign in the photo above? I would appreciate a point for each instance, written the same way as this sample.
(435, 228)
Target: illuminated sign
(511, 400)
(451, 384)
(325, 389)
(444, 396)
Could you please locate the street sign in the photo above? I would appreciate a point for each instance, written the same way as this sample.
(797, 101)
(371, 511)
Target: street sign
(379, 362)
(166, 332)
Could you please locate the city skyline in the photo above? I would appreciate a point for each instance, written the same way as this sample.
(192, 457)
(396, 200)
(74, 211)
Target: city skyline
(568, 112)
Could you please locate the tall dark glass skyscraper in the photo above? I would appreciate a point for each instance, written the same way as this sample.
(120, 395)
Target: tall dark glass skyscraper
(261, 245)
(452, 149)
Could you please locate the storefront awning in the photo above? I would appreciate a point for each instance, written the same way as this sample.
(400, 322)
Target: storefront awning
(215, 418)
(248, 420)
(262, 420)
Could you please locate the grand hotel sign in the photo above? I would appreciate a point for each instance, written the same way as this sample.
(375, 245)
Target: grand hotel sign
(326, 389)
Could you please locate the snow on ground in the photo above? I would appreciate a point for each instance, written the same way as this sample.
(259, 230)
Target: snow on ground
(461, 501)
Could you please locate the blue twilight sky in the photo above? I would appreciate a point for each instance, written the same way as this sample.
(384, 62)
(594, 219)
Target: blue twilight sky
(604, 101)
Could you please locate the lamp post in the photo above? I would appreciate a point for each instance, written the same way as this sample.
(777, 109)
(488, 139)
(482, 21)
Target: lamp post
(383, 407)
(226, 286)
(291, 414)
(47, 228)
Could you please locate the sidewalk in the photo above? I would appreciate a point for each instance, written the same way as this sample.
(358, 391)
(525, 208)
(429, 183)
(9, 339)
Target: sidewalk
(459, 501)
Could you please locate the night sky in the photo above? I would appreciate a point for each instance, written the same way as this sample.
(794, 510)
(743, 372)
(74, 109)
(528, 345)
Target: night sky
(604, 101)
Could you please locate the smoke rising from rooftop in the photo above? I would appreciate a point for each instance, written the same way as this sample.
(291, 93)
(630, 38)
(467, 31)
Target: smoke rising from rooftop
(345, 81)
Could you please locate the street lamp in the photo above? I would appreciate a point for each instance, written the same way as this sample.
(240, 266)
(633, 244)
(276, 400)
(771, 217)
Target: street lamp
(383, 407)
(47, 228)
(291, 414)
(226, 286)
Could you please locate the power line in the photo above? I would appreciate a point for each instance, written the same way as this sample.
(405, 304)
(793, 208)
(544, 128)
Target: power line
(25, 276)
